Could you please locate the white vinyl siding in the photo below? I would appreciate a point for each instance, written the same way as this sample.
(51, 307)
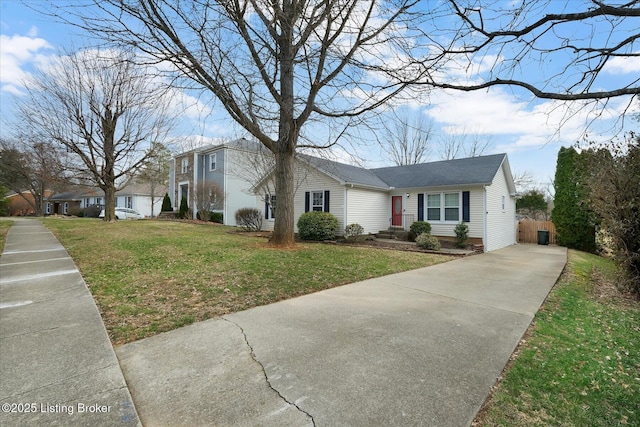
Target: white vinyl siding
(233, 164)
(311, 180)
(369, 208)
(501, 214)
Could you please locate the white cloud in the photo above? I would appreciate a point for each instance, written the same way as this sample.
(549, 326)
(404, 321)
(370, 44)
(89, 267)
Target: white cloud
(623, 65)
(520, 124)
(33, 32)
(17, 55)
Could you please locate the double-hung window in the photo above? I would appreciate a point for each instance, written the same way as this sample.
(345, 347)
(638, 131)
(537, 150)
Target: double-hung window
(317, 198)
(443, 207)
(212, 161)
(184, 165)
(433, 207)
(452, 207)
(272, 206)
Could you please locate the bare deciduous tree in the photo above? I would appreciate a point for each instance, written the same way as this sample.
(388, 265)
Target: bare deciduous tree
(105, 110)
(463, 145)
(524, 181)
(407, 140)
(276, 67)
(209, 198)
(553, 50)
(31, 166)
(280, 67)
(155, 172)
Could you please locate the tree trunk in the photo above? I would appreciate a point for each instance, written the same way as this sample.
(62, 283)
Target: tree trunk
(285, 148)
(283, 231)
(109, 203)
(108, 128)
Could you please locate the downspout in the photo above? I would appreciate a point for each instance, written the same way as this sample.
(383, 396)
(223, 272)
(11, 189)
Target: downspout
(194, 190)
(484, 218)
(225, 205)
(172, 182)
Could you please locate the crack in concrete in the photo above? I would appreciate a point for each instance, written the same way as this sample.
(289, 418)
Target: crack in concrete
(264, 373)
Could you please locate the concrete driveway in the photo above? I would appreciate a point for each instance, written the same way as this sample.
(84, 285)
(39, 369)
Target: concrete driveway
(416, 348)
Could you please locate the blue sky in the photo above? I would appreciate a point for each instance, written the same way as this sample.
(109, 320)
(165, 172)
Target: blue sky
(527, 129)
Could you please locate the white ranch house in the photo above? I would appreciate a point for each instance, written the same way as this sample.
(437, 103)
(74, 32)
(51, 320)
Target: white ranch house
(478, 191)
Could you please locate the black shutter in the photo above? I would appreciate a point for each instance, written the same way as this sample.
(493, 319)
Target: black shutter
(466, 210)
(420, 207)
(266, 206)
(326, 201)
(307, 202)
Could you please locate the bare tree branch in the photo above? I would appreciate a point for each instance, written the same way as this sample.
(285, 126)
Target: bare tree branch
(105, 110)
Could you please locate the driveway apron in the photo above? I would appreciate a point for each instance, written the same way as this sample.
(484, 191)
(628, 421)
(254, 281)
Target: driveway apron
(57, 365)
(420, 348)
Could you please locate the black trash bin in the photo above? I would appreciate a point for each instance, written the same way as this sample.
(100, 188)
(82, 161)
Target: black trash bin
(543, 237)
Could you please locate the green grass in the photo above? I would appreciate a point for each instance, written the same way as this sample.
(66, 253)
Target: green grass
(4, 228)
(153, 276)
(580, 365)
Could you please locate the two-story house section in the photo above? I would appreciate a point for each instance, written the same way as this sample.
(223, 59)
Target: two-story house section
(229, 166)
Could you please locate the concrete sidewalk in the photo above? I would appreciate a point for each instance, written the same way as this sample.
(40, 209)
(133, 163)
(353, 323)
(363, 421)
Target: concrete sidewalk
(416, 348)
(57, 365)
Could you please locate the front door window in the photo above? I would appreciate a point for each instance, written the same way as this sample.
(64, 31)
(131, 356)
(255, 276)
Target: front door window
(396, 211)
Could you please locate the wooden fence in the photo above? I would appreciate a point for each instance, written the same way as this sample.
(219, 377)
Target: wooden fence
(528, 231)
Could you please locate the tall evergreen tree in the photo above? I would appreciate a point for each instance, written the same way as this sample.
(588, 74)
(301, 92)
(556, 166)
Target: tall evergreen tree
(574, 221)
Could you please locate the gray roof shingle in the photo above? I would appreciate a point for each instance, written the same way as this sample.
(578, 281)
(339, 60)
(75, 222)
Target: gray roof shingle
(468, 171)
(347, 174)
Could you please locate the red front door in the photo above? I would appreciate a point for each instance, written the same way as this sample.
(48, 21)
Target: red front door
(396, 211)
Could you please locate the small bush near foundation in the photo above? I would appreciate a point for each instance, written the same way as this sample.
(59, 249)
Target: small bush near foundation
(353, 232)
(249, 219)
(217, 217)
(427, 241)
(166, 203)
(417, 228)
(183, 213)
(317, 226)
(462, 234)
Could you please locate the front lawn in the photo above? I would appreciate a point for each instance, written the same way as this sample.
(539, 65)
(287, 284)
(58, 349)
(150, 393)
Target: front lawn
(580, 363)
(153, 276)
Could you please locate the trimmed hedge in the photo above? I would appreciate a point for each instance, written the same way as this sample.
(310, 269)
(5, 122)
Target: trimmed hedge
(317, 226)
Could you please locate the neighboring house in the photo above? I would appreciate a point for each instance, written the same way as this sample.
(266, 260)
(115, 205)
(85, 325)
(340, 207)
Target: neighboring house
(134, 196)
(18, 206)
(230, 167)
(478, 191)
(65, 203)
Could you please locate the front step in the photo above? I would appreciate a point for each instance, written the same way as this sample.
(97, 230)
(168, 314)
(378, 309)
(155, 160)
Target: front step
(386, 235)
(390, 233)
